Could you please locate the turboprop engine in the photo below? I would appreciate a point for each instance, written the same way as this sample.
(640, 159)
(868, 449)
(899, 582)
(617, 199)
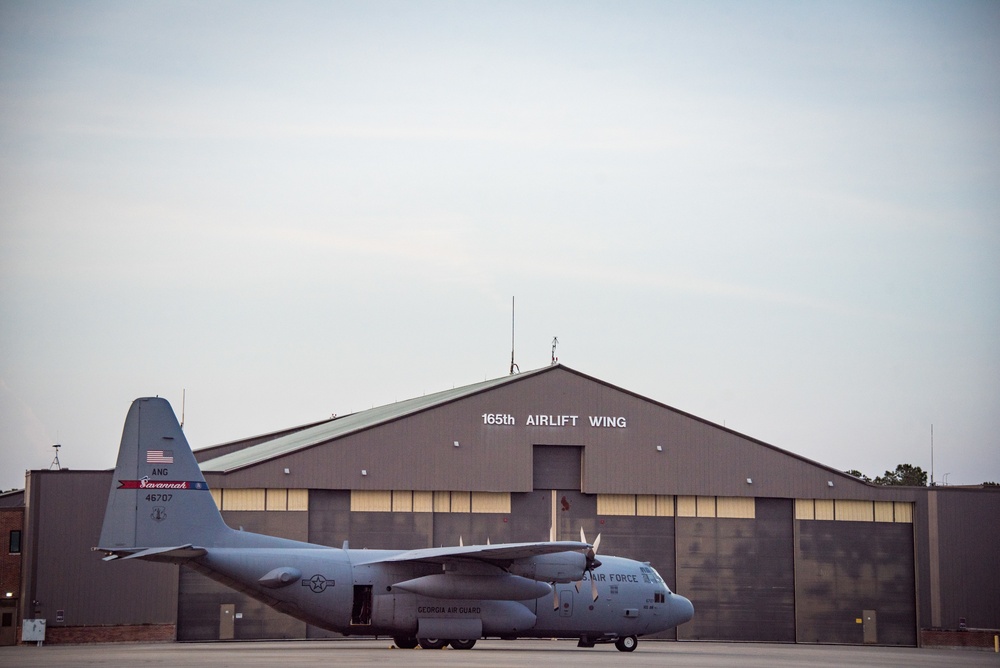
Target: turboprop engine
(559, 567)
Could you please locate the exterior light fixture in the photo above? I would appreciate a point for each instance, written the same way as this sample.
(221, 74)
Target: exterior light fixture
(364, 471)
(749, 481)
(287, 471)
(829, 483)
(456, 444)
(659, 448)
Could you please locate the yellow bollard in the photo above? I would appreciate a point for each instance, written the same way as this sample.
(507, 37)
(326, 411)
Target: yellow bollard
(996, 644)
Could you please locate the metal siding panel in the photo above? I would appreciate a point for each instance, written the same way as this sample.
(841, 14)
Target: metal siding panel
(490, 502)
(735, 507)
(276, 499)
(298, 499)
(664, 505)
(616, 504)
(824, 509)
(853, 510)
(423, 502)
(883, 511)
(371, 501)
(442, 502)
(461, 502)
(243, 499)
(903, 512)
(402, 501)
(805, 509)
(645, 505)
(706, 506)
(687, 506)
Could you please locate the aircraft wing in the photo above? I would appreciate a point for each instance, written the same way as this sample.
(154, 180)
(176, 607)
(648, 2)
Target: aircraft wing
(493, 554)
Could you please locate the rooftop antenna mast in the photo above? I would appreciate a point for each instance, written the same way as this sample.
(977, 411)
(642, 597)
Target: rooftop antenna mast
(512, 365)
(932, 455)
(55, 461)
(555, 342)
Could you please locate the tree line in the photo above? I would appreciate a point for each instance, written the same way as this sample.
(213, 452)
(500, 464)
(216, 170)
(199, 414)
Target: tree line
(905, 474)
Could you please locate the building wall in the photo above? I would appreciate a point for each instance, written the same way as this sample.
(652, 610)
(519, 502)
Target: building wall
(11, 520)
(64, 580)
(967, 578)
(768, 546)
(619, 452)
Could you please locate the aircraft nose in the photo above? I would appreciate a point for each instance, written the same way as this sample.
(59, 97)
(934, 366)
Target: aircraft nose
(681, 609)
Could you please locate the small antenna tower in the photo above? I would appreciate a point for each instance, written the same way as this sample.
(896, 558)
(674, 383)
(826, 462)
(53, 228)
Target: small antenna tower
(555, 342)
(512, 365)
(55, 460)
(932, 455)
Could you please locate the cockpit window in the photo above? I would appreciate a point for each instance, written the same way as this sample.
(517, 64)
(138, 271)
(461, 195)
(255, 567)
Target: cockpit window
(650, 575)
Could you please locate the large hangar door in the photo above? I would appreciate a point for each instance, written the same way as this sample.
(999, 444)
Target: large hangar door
(557, 467)
(557, 474)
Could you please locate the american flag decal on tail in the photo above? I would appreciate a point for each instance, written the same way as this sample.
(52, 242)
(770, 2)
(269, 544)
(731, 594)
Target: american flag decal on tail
(159, 456)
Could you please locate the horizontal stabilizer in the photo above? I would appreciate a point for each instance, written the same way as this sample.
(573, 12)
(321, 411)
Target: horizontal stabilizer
(169, 554)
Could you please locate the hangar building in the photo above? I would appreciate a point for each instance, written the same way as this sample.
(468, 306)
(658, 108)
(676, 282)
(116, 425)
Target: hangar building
(768, 545)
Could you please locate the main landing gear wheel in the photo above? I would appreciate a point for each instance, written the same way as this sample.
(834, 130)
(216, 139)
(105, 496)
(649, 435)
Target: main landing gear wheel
(627, 644)
(462, 644)
(432, 643)
(405, 642)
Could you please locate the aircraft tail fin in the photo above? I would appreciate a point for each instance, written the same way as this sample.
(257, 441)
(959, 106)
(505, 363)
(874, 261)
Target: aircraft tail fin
(159, 497)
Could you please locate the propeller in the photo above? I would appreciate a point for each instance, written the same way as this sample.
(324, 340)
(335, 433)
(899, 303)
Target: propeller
(592, 563)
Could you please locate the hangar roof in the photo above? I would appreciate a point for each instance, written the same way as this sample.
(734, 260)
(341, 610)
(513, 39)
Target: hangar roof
(349, 424)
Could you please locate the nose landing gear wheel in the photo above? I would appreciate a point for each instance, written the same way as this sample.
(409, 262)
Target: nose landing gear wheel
(627, 644)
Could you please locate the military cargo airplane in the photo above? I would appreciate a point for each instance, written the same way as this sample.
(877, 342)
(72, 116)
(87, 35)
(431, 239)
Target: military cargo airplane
(160, 509)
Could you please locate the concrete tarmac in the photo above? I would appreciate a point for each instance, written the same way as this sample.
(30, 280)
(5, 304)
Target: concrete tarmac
(486, 653)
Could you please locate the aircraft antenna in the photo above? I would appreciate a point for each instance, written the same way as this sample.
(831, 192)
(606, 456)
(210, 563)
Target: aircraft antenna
(512, 365)
(555, 342)
(55, 461)
(183, 402)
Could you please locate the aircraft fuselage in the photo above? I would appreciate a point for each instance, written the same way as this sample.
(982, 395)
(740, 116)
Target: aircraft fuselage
(352, 592)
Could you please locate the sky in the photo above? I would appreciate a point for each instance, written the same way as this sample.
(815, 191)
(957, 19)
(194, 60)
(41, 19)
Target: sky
(781, 217)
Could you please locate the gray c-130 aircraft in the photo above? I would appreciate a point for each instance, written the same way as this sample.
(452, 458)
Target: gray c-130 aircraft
(160, 509)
